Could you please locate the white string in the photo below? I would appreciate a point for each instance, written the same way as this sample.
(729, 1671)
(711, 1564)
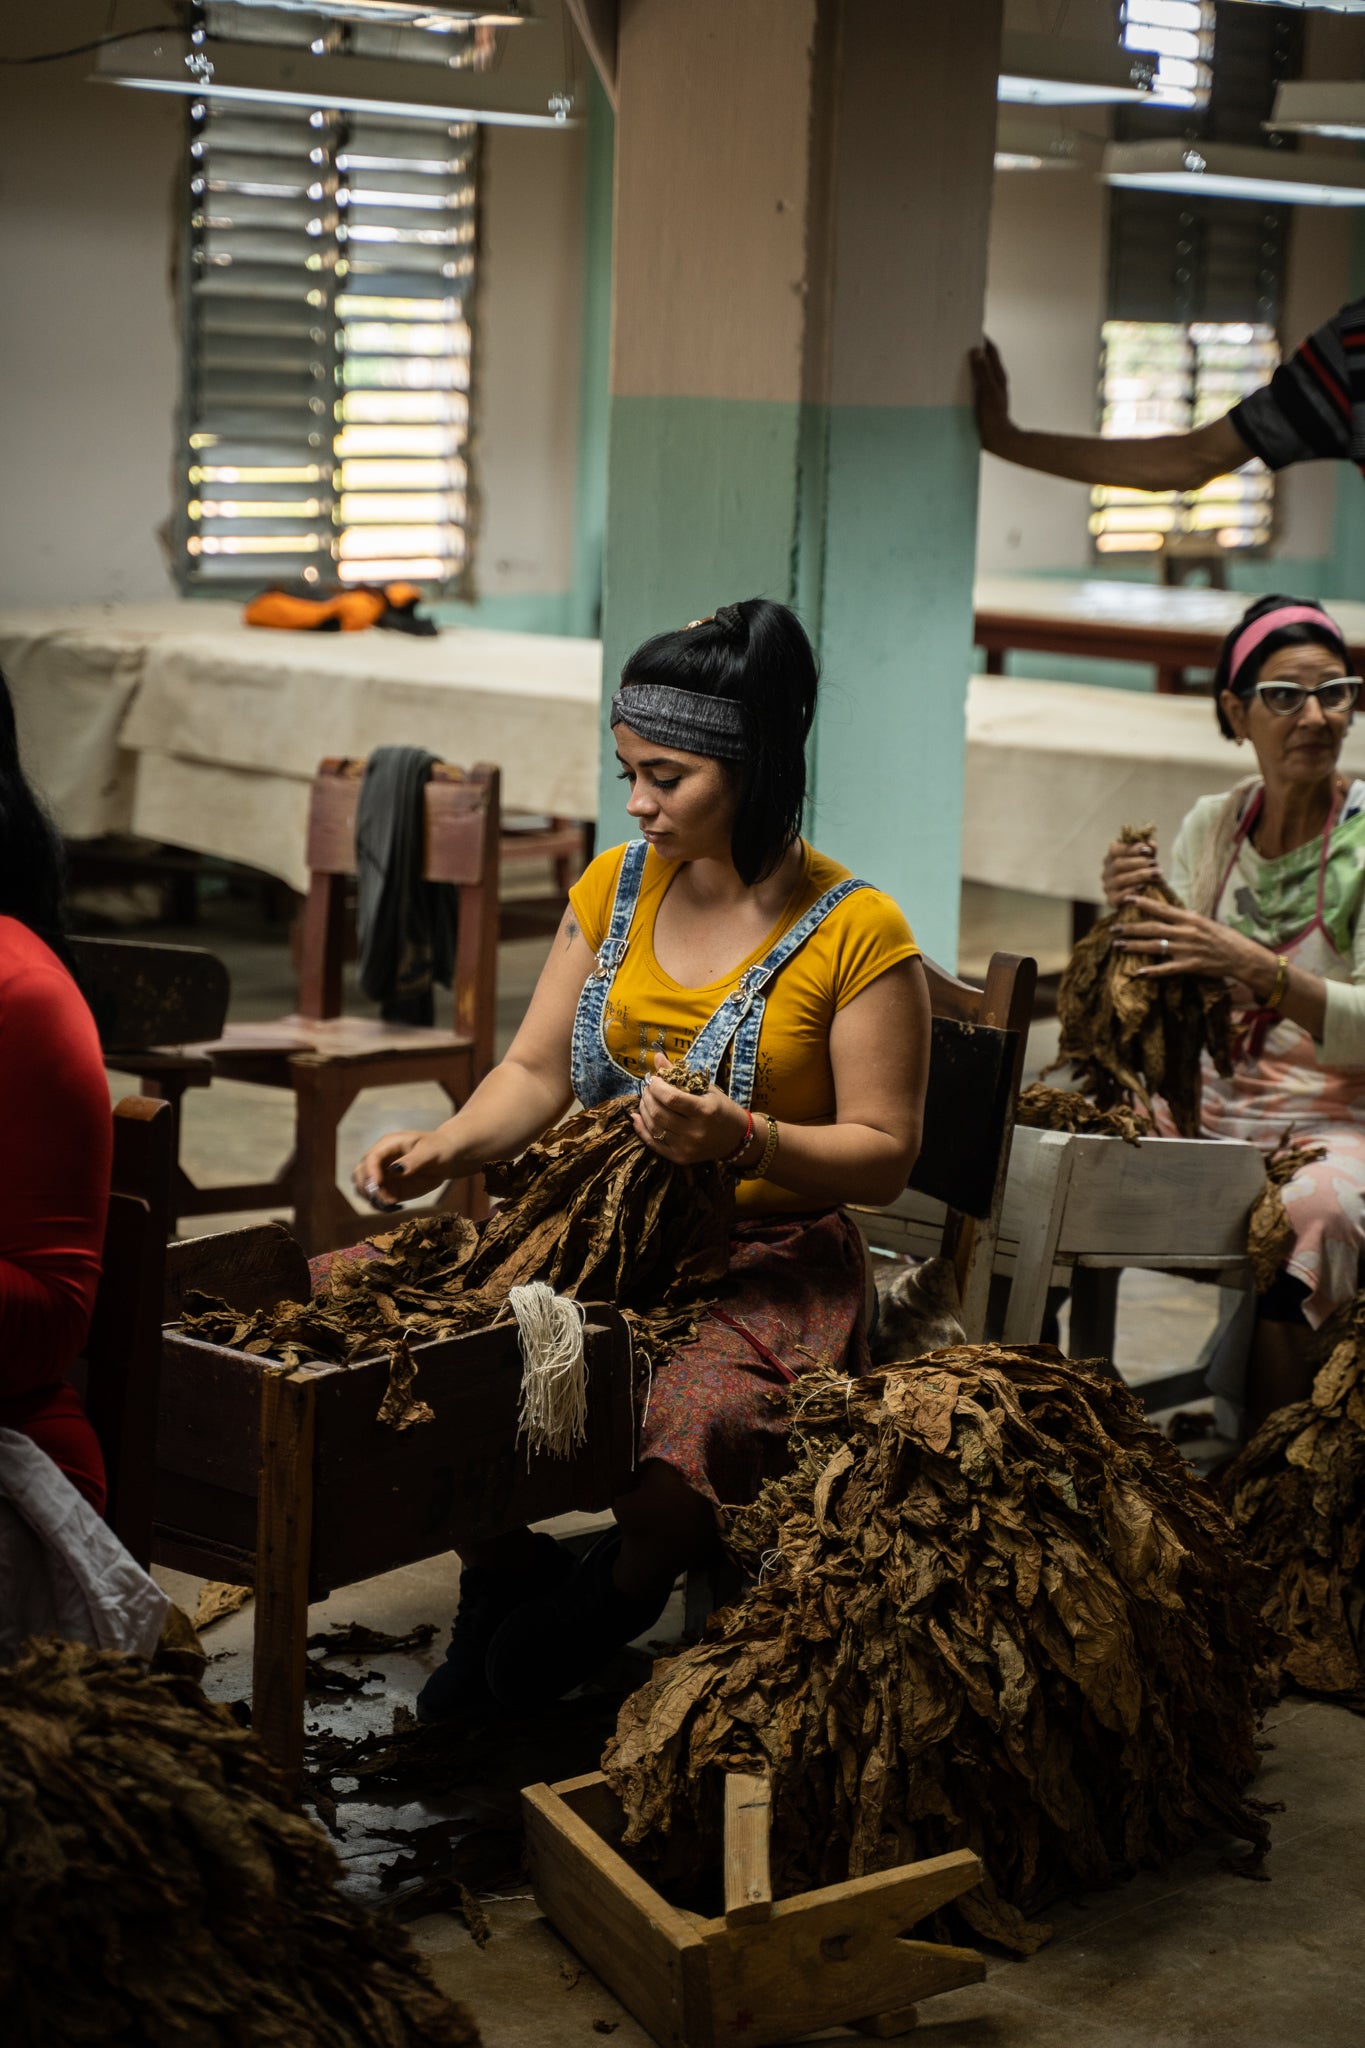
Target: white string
(553, 1416)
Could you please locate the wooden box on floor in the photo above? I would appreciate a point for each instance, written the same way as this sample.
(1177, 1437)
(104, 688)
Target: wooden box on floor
(284, 1478)
(764, 1973)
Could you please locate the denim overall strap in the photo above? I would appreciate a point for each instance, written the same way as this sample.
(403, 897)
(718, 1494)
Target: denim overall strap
(595, 1074)
(740, 1016)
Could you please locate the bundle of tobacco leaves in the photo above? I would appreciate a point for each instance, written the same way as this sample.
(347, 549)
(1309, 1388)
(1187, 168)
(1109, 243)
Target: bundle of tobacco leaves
(157, 1892)
(1129, 1038)
(994, 1609)
(1042, 1108)
(1270, 1234)
(590, 1210)
(1297, 1494)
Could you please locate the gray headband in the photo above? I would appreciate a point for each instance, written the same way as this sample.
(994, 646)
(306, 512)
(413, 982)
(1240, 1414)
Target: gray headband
(682, 718)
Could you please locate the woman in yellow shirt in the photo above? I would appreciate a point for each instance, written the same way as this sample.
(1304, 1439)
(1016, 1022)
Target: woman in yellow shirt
(722, 937)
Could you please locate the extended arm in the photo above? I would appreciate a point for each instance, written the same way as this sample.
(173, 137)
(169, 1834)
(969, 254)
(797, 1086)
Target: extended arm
(526, 1092)
(1166, 462)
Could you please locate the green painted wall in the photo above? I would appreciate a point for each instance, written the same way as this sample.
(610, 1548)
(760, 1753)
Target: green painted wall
(865, 519)
(1348, 551)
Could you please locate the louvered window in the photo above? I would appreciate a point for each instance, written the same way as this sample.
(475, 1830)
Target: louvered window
(327, 389)
(1181, 33)
(1164, 377)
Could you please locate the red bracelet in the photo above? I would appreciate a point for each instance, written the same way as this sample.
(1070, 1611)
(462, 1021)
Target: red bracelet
(726, 1157)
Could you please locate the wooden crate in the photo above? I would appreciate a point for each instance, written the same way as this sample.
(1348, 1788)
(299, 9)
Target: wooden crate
(285, 1479)
(766, 1972)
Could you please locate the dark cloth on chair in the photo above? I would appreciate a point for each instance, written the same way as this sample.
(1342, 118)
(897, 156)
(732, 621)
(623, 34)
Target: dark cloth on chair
(406, 924)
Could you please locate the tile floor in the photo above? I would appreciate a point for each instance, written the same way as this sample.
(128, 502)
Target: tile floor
(1186, 1958)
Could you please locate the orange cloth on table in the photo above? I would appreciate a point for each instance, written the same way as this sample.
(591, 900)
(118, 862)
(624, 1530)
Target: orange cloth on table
(649, 1012)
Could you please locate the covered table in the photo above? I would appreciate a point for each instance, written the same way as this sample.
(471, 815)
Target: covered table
(1054, 769)
(178, 722)
(1103, 619)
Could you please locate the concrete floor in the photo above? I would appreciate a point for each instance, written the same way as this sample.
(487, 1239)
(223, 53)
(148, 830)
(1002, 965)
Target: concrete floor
(1186, 1958)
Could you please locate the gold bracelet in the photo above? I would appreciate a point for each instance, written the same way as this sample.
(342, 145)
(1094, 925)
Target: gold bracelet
(766, 1156)
(1279, 985)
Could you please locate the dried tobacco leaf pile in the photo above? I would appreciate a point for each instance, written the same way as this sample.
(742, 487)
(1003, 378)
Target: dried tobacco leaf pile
(1297, 1494)
(1041, 1108)
(994, 1609)
(1128, 1038)
(156, 1892)
(590, 1210)
(1270, 1234)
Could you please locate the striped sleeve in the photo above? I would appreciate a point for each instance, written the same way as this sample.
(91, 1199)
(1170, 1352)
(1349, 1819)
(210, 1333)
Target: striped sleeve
(1313, 408)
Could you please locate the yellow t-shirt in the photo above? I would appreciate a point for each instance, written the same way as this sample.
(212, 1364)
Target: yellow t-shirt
(648, 1012)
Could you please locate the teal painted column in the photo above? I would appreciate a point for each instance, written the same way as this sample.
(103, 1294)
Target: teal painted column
(798, 278)
(590, 498)
(1347, 572)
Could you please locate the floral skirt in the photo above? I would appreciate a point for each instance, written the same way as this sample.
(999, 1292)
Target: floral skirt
(793, 1300)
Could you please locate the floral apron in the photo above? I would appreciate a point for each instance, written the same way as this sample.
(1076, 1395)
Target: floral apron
(1278, 1087)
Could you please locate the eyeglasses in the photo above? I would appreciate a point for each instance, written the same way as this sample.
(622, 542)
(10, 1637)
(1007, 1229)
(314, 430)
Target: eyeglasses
(1285, 699)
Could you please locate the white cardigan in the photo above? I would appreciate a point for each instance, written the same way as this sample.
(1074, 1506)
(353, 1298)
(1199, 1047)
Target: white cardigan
(1343, 1037)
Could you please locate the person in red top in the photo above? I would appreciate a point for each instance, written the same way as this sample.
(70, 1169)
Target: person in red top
(59, 1141)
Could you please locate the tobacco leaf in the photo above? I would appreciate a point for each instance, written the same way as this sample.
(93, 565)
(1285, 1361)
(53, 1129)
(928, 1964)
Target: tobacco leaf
(1128, 1038)
(217, 1600)
(1297, 1495)
(590, 1210)
(1041, 1108)
(993, 1609)
(158, 1891)
(1270, 1234)
(357, 1639)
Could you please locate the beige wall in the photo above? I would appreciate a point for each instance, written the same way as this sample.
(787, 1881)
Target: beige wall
(89, 346)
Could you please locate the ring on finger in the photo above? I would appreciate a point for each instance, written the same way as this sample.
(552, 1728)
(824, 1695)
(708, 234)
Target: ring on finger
(1165, 947)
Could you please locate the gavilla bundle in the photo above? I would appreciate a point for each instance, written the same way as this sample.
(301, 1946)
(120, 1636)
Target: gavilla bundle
(1041, 1108)
(994, 1609)
(1270, 1234)
(1297, 1494)
(1129, 1038)
(591, 1211)
(156, 1891)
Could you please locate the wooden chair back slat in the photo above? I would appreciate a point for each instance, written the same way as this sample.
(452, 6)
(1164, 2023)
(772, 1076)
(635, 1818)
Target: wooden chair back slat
(123, 1349)
(144, 994)
(461, 848)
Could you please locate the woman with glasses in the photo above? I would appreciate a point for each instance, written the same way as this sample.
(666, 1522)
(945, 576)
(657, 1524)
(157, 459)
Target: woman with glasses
(1271, 879)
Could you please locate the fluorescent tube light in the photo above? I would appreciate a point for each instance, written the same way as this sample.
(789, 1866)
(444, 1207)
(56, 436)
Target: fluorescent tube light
(1318, 6)
(1314, 106)
(1057, 71)
(339, 102)
(1025, 145)
(441, 15)
(1214, 170)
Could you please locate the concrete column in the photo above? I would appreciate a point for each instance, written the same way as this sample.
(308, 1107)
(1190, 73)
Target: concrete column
(802, 196)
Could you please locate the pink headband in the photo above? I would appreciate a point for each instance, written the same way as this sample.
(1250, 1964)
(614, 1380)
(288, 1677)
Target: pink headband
(1288, 615)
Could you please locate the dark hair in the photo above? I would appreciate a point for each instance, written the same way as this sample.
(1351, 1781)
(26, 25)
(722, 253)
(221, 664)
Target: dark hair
(32, 866)
(1300, 634)
(756, 653)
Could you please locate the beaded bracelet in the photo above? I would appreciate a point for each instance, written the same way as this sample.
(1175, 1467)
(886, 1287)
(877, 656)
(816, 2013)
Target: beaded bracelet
(726, 1157)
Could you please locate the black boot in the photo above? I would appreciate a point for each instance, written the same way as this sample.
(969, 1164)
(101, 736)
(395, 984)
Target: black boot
(488, 1594)
(552, 1643)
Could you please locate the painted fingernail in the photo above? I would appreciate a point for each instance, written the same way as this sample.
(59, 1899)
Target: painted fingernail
(397, 1168)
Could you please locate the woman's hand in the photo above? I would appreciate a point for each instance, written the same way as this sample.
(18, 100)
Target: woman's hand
(992, 395)
(1128, 870)
(687, 1128)
(401, 1166)
(1182, 942)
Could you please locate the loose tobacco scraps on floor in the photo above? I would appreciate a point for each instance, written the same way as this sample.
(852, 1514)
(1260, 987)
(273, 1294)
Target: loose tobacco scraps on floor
(157, 1891)
(590, 1210)
(1297, 1494)
(994, 1609)
(1129, 1037)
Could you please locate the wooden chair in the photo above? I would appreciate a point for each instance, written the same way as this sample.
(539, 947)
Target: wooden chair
(327, 1059)
(151, 1002)
(1079, 1209)
(285, 1480)
(956, 1191)
(122, 1361)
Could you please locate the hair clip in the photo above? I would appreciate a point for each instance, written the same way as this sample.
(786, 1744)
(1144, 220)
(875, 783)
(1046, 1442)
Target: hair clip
(699, 622)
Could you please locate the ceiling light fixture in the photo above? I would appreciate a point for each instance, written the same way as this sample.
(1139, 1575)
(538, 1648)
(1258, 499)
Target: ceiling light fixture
(1314, 106)
(339, 103)
(444, 16)
(1054, 71)
(1215, 170)
(1025, 145)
